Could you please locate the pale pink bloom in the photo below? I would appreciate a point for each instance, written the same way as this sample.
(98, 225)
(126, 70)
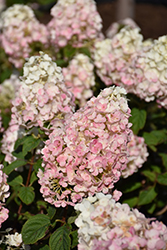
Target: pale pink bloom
(88, 162)
(75, 22)
(20, 29)
(106, 224)
(137, 155)
(3, 214)
(79, 78)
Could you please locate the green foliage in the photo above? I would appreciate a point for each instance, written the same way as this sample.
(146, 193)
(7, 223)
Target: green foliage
(60, 239)
(147, 196)
(15, 164)
(27, 195)
(138, 119)
(35, 228)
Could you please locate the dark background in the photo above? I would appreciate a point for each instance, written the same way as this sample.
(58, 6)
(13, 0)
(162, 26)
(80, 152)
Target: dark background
(150, 15)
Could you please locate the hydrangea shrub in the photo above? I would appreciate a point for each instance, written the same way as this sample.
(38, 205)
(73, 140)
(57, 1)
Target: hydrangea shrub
(82, 131)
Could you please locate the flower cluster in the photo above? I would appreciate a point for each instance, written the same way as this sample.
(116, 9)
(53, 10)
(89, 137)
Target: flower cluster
(74, 22)
(107, 225)
(43, 95)
(79, 78)
(13, 240)
(113, 57)
(137, 155)
(87, 154)
(11, 134)
(8, 91)
(20, 29)
(4, 188)
(155, 66)
(115, 27)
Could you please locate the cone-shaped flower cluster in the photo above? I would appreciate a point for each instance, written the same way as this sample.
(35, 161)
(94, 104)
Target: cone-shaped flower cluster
(108, 225)
(75, 22)
(88, 154)
(79, 78)
(137, 155)
(113, 57)
(20, 29)
(43, 95)
(4, 188)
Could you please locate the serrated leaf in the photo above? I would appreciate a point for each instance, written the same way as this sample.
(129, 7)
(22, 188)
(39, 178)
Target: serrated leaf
(16, 164)
(164, 159)
(131, 201)
(151, 175)
(16, 181)
(162, 179)
(138, 119)
(30, 143)
(27, 195)
(74, 235)
(35, 228)
(147, 196)
(60, 239)
(131, 187)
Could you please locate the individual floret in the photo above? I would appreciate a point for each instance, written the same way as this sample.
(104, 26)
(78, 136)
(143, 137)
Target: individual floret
(108, 225)
(79, 78)
(87, 154)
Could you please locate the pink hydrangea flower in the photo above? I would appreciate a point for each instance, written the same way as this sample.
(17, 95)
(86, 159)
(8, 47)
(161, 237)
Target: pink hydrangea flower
(20, 29)
(113, 57)
(115, 27)
(137, 155)
(3, 214)
(89, 152)
(75, 22)
(106, 224)
(79, 78)
(43, 95)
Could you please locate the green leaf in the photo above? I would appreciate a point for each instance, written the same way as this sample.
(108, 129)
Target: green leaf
(38, 165)
(27, 195)
(60, 239)
(138, 119)
(46, 247)
(151, 175)
(74, 235)
(71, 219)
(132, 186)
(151, 208)
(15, 164)
(162, 179)
(164, 159)
(33, 177)
(69, 51)
(154, 138)
(147, 196)
(30, 143)
(51, 211)
(156, 169)
(131, 201)
(35, 228)
(16, 181)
